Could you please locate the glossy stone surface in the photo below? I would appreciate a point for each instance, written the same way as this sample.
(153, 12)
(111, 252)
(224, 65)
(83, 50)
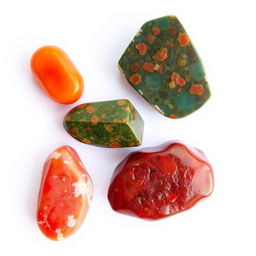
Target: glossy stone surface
(57, 75)
(161, 181)
(163, 66)
(114, 123)
(65, 194)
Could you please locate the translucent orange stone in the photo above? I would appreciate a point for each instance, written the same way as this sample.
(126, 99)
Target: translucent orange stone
(57, 74)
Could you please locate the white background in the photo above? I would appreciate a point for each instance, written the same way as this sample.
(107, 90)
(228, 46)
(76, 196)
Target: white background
(94, 34)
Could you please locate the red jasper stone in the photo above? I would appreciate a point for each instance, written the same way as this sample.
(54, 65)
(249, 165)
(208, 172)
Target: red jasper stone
(65, 194)
(162, 181)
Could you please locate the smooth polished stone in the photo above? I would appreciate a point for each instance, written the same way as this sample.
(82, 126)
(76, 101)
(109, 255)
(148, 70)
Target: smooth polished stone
(163, 66)
(158, 182)
(57, 74)
(114, 123)
(65, 194)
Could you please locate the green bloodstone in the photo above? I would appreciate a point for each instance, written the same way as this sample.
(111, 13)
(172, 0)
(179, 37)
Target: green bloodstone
(164, 67)
(114, 123)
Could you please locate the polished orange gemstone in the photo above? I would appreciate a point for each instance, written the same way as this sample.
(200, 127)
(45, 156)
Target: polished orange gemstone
(65, 194)
(57, 74)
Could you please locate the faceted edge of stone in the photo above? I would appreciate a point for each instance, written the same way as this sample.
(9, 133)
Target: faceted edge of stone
(138, 136)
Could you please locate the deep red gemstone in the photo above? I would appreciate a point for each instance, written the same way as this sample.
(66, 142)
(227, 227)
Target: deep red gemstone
(162, 181)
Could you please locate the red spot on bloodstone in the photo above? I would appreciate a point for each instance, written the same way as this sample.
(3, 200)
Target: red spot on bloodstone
(197, 89)
(161, 54)
(74, 130)
(183, 39)
(171, 44)
(94, 120)
(135, 79)
(156, 31)
(172, 116)
(135, 67)
(142, 48)
(177, 79)
(114, 145)
(172, 31)
(149, 67)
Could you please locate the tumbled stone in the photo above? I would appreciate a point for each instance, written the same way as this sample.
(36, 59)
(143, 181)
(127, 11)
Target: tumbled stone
(65, 194)
(161, 181)
(164, 67)
(114, 123)
(57, 74)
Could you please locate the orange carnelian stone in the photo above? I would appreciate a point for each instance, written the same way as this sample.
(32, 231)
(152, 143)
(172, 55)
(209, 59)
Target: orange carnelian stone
(65, 194)
(57, 74)
(158, 182)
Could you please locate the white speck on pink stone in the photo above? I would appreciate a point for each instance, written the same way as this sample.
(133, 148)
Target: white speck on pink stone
(71, 221)
(67, 162)
(80, 188)
(59, 234)
(55, 155)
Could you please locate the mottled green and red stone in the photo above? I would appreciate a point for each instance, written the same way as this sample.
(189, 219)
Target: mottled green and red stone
(114, 123)
(164, 67)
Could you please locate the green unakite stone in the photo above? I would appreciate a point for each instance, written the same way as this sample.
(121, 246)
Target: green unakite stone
(114, 123)
(164, 67)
